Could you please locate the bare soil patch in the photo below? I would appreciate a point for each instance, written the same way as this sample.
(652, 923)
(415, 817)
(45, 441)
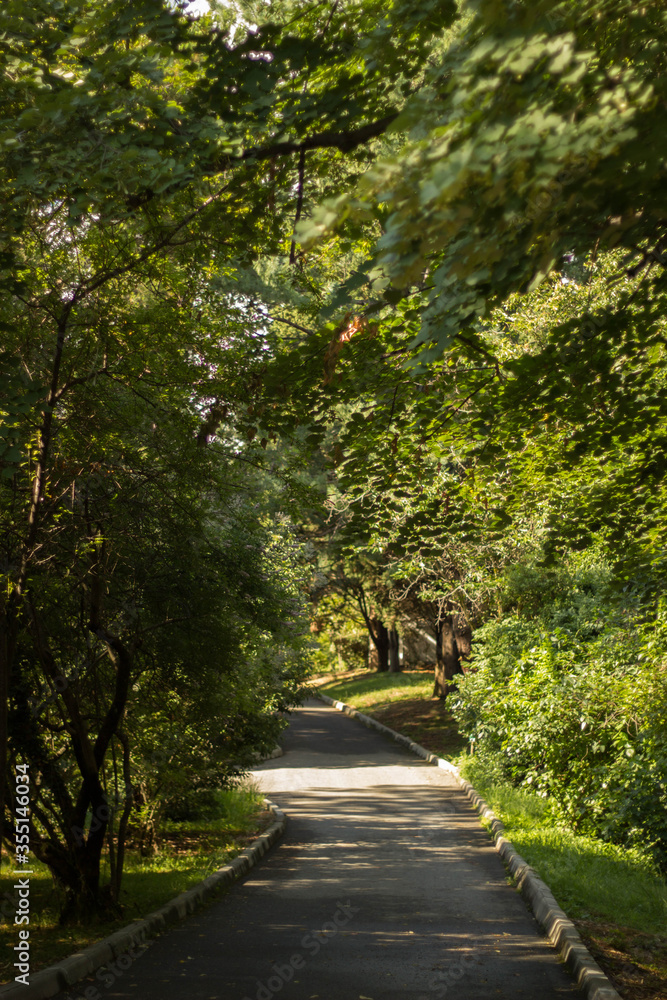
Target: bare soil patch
(635, 962)
(428, 723)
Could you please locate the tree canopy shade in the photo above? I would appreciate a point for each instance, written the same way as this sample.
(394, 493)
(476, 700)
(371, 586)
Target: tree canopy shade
(137, 555)
(534, 143)
(147, 161)
(403, 258)
(137, 558)
(113, 105)
(537, 132)
(489, 383)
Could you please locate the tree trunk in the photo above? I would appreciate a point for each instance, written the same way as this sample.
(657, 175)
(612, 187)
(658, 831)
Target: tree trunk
(448, 662)
(125, 815)
(75, 861)
(395, 665)
(463, 636)
(380, 636)
(86, 900)
(377, 632)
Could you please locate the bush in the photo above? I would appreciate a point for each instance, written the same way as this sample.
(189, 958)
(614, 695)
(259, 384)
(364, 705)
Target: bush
(208, 804)
(197, 805)
(573, 704)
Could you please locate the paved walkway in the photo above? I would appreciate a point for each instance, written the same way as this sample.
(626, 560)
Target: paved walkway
(384, 887)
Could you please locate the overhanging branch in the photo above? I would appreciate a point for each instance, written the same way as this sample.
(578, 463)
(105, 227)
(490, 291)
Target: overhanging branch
(330, 139)
(344, 141)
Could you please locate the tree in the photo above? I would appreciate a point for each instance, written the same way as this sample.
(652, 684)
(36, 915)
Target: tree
(525, 143)
(455, 344)
(144, 156)
(523, 149)
(125, 569)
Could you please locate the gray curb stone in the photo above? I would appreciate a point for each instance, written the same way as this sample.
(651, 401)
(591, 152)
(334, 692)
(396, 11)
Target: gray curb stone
(47, 982)
(276, 752)
(558, 927)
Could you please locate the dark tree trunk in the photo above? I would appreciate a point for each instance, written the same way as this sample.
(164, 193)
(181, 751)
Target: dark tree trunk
(74, 856)
(125, 816)
(394, 659)
(448, 660)
(377, 632)
(380, 637)
(463, 636)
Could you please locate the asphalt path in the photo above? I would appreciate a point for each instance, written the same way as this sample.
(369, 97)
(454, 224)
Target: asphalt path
(384, 887)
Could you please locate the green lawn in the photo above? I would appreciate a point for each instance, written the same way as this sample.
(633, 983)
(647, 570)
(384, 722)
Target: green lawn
(590, 879)
(403, 702)
(369, 691)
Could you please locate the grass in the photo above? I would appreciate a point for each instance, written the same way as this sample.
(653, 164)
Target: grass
(591, 879)
(188, 852)
(370, 691)
(403, 702)
(587, 876)
(615, 897)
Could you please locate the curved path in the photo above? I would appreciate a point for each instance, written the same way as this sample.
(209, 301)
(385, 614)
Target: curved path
(385, 887)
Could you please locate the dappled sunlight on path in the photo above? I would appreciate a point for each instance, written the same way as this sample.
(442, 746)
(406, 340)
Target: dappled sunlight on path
(384, 887)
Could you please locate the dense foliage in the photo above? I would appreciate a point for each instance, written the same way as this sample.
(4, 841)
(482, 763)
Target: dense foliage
(571, 701)
(497, 398)
(359, 302)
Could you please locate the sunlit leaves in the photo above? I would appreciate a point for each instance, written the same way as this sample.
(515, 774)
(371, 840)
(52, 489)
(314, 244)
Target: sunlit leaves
(530, 134)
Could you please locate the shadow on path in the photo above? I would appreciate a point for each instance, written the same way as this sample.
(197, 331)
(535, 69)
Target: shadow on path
(385, 887)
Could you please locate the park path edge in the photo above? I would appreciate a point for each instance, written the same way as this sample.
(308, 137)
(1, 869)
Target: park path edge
(558, 927)
(69, 971)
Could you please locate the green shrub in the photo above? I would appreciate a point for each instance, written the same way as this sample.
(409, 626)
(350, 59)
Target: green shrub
(589, 878)
(207, 804)
(572, 703)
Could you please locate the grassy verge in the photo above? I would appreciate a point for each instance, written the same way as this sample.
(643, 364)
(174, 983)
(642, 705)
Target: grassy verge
(614, 896)
(403, 702)
(188, 852)
(588, 877)
(616, 899)
(369, 690)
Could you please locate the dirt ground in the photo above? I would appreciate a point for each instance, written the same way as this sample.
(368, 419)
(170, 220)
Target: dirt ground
(636, 963)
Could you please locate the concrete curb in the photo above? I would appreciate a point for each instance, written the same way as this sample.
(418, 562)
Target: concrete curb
(48, 982)
(560, 930)
(276, 752)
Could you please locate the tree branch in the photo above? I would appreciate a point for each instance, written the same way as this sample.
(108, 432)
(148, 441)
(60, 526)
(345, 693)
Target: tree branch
(288, 322)
(344, 141)
(299, 203)
(330, 139)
